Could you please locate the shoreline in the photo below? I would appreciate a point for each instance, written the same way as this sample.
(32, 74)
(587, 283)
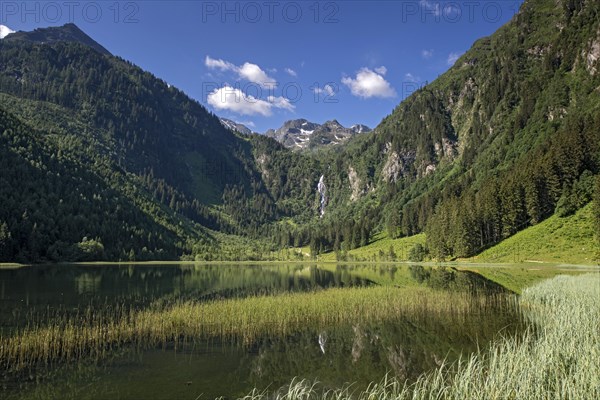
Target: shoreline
(457, 264)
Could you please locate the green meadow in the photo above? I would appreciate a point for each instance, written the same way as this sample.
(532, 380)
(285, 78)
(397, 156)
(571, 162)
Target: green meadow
(556, 240)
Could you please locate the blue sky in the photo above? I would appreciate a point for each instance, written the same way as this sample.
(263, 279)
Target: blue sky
(265, 62)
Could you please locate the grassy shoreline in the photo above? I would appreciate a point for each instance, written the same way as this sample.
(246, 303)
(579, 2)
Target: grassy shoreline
(555, 241)
(518, 277)
(559, 360)
(458, 263)
(12, 265)
(514, 277)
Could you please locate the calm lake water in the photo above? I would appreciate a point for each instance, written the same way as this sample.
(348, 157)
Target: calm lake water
(206, 369)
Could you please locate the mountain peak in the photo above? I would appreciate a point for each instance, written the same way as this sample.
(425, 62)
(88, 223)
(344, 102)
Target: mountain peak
(360, 128)
(236, 126)
(66, 33)
(333, 123)
(300, 134)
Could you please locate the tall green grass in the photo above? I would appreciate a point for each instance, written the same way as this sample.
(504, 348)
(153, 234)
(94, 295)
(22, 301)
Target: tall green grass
(95, 333)
(560, 359)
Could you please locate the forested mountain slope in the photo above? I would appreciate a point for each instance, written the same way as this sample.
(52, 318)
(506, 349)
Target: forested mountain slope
(127, 133)
(54, 207)
(503, 140)
(153, 128)
(507, 136)
(184, 175)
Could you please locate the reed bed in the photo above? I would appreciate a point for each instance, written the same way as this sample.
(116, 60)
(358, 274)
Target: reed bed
(95, 333)
(560, 360)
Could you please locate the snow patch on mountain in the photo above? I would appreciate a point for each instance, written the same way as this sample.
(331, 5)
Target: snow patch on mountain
(235, 126)
(5, 31)
(302, 134)
(360, 128)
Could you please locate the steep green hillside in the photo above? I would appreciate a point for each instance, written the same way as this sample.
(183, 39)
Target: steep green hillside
(54, 207)
(505, 138)
(564, 240)
(154, 130)
(132, 137)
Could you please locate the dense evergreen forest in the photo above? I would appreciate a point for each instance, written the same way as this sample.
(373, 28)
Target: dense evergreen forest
(103, 161)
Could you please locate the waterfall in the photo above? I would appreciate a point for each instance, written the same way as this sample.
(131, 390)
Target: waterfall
(322, 189)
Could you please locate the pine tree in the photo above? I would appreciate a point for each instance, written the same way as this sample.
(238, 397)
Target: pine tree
(4, 242)
(392, 254)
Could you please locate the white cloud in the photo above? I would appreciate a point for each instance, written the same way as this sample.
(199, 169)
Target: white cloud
(254, 73)
(249, 124)
(327, 89)
(291, 72)
(5, 31)
(450, 10)
(411, 78)
(250, 72)
(228, 98)
(330, 90)
(370, 83)
(427, 53)
(432, 7)
(233, 99)
(213, 63)
(453, 57)
(281, 102)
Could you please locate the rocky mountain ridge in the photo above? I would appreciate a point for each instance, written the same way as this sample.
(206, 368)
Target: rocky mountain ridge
(301, 134)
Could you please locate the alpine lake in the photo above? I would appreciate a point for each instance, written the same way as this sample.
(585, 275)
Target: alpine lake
(81, 331)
